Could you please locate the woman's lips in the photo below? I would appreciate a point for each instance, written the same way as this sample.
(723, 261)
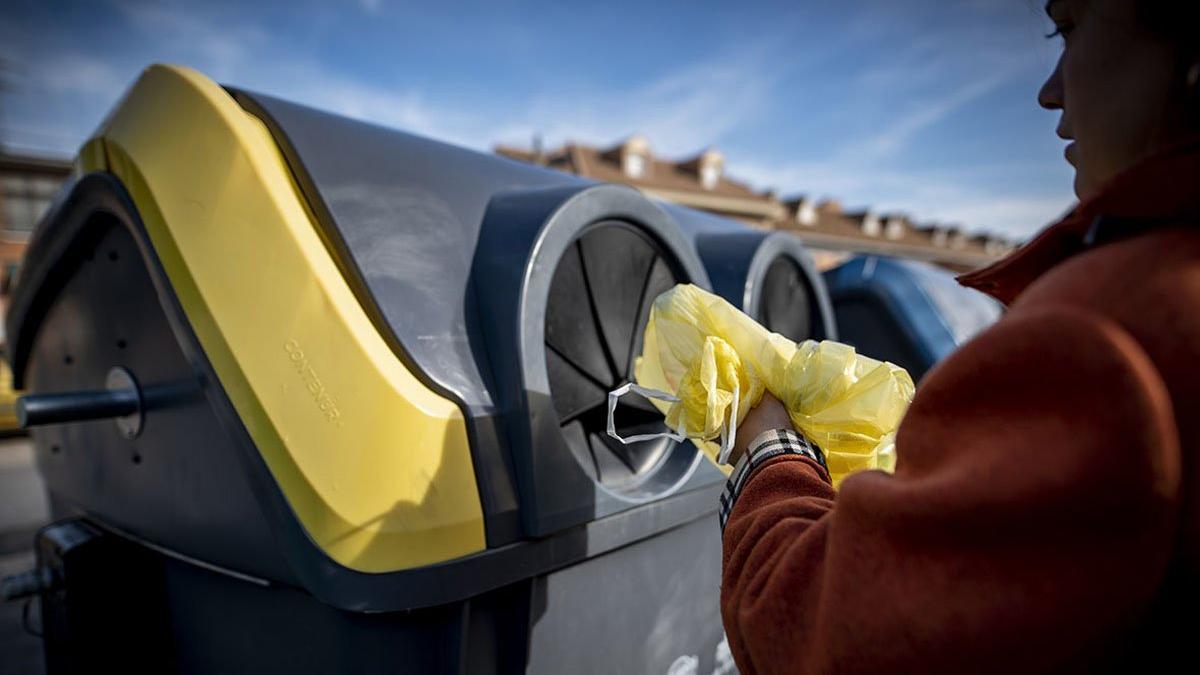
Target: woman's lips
(1069, 153)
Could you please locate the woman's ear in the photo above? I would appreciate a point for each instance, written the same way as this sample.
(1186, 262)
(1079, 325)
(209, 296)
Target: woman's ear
(1192, 92)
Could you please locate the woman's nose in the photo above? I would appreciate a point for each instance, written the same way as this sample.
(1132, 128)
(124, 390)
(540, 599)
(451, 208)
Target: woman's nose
(1050, 96)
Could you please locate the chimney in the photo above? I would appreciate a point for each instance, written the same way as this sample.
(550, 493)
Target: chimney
(805, 211)
(539, 150)
(895, 226)
(870, 224)
(831, 207)
(635, 156)
(938, 235)
(712, 165)
(957, 239)
(707, 167)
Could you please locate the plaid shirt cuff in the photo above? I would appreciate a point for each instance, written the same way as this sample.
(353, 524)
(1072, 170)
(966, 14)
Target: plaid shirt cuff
(767, 445)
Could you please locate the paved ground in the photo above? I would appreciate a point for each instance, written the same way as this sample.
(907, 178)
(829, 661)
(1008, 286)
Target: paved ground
(22, 499)
(22, 510)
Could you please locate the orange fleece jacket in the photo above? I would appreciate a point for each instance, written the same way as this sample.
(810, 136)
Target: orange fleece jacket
(1042, 517)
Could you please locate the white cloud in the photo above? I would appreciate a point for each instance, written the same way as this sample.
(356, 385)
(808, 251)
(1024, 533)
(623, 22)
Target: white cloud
(1017, 216)
(220, 47)
(78, 75)
(925, 85)
(925, 114)
(46, 101)
(929, 196)
(680, 111)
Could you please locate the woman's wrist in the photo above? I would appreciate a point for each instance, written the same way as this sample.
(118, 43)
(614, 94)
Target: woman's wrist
(769, 414)
(763, 448)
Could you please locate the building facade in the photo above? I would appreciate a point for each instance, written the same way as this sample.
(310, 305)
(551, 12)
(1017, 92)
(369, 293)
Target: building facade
(829, 230)
(27, 187)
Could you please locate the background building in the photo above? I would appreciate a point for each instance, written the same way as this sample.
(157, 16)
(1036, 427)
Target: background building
(832, 232)
(27, 186)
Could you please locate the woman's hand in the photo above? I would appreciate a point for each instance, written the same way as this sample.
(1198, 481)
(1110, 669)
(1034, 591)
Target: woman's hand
(767, 415)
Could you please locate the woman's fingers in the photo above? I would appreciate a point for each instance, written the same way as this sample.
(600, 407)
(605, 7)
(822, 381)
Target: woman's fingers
(767, 415)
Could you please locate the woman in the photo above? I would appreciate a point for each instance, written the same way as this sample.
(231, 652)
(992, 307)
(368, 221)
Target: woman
(1043, 516)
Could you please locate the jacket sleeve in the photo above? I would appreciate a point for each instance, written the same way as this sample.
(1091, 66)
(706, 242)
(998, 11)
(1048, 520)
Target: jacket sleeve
(1027, 527)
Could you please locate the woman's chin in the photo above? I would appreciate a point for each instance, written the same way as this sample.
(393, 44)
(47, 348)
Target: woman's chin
(1084, 188)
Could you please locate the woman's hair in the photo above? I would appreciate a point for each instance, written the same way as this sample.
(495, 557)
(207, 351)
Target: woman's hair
(1175, 20)
(1178, 23)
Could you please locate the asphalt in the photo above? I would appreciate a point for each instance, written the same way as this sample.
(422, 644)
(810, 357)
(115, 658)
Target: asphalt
(23, 510)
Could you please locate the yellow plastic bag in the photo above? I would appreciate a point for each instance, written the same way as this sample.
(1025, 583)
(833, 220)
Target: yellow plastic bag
(705, 364)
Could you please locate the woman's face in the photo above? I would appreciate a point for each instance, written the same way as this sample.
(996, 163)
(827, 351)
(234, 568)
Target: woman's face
(1118, 85)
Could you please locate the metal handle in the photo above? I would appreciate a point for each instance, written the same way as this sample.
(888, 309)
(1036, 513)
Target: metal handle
(121, 401)
(35, 410)
(25, 584)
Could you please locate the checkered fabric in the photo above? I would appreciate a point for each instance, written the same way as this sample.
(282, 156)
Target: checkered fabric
(768, 444)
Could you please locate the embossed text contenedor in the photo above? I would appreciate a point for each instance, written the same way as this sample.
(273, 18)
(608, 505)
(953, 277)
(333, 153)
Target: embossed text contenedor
(312, 383)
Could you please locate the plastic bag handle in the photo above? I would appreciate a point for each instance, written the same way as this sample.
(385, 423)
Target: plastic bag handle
(727, 439)
(728, 436)
(616, 394)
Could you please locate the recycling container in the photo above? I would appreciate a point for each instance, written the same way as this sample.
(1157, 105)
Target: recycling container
(905, 311)
(313, 395)
(767, 274)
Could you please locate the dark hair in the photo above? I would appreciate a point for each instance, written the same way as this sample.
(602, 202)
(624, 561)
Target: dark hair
(1176, 21)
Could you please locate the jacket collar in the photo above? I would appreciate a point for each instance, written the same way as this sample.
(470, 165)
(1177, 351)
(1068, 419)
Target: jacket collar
(1164, 188)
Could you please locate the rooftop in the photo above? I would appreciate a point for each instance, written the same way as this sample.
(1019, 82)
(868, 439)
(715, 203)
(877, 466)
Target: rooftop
(700, 181)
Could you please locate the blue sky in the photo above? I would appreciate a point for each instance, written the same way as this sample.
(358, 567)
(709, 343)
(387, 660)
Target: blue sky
(920, 106)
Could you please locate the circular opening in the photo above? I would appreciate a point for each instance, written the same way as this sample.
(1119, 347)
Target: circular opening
(786, 304)
(600, 299)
